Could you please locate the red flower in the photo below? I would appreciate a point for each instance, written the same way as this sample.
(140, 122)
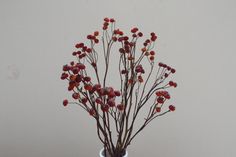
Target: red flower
(75, 95)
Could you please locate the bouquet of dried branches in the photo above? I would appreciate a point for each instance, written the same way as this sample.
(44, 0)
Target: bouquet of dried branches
(116, 110)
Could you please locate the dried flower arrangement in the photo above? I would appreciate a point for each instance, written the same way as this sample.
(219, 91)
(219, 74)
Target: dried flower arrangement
(116, 110)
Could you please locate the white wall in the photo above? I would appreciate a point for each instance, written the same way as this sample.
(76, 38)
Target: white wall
(197, 37)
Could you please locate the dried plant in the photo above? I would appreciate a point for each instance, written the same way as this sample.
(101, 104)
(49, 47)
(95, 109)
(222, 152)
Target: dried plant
(116, 110)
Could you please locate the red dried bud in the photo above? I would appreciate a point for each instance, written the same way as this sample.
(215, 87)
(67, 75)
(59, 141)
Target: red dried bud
(111, 103)
(114, 38)
(97, 87)
(91, 112)
(126, 38)
(122, 50)
(74, 53)
(64, 76)
(94, 64)
(164, 66)
(166, 75)
(140, 79)
(66, 68)
(131, 81)
(81, 66)
(168, 68)
(89, 37)
(158, 93)
(166, 95)
(175, 85)
(96, 33)
(152, 53)
(171, 83)
(96, 41)
(84, 100)
(152, 34)
(134, 35)
(75, 70)
(172, 108)
(120, 107)
(153, 38)
(158, 109)
(88, 87)
(143, 49)
(87, 79)
(139, 68)
(124, 71)
(160, 100)
(134, 30)
(140, 34)
(89, 50)
(65, 102)
(101, 91)
(160, 64)
(104, 27)
(98, 100)
(117, 93)
(70, 87)
(112, 20)
(120, 33)
(105, 108)
(106, 19)
(80, 45)
(152, 58)
(78, 78)
(75, 95)
(172, 70)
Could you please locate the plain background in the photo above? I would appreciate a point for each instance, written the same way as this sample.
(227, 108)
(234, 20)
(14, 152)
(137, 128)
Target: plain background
(197, 37)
